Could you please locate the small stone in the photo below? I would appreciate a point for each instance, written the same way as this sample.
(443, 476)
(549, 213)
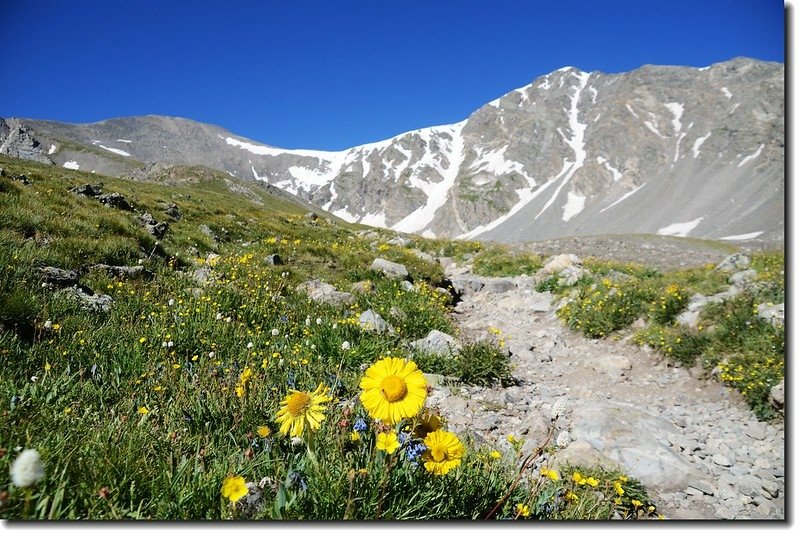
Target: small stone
(721, 460)
(772, 488)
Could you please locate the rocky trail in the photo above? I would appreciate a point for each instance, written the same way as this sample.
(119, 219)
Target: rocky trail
(694, 443)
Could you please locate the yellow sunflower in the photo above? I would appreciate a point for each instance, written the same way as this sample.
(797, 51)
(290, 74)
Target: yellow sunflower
(301, 408)
(393, 389)
(444, 452)
(427, 422)
(234, 488)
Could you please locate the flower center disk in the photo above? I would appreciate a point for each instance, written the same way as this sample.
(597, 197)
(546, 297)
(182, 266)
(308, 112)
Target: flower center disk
(298, 403)
(394, 388)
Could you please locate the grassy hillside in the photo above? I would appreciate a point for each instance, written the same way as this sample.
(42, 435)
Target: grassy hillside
(180, 398)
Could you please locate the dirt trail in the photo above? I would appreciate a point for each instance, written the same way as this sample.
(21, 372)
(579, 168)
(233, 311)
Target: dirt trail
(694, 443)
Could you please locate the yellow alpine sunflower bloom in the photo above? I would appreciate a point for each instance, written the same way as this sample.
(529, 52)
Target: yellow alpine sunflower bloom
(444, 452)
(299, 409)
(393, 389)
(234, 488)
(427, 422)
(387, 442)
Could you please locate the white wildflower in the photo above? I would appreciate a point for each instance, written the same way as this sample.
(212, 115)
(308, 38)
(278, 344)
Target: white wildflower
(27, 469)
(228, 319)
(218, 317)
(297, 441)
(170, 343)
(48, 325)
(275, 332)
(319, 321)
(308, 321)
(558, 410)
(249, 345)
(171, 302)
(563, 439)
(211, 354)
(345, 345)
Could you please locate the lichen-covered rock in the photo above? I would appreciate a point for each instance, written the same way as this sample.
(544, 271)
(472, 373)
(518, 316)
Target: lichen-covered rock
(372, 321)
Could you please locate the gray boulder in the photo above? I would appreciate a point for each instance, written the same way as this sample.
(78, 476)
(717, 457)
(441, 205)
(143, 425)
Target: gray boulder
(437, 343)
(777, 396)
(322, 292)
(772, 313)
(89, 300)
(735, 262)
(59, 278)
(743, 279)
(154, 228)
(87, 190)
(372, 321)
(392, 270)
(116, 200)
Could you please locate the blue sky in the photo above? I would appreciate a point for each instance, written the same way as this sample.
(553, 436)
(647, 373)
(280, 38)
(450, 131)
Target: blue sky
(334, 74)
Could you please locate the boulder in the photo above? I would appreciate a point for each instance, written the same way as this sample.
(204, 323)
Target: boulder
(776, 396)
(173, 211)
(115, 200)
(153, 227)
(743, 279)
(735, 262)
(87, 190)
(637, 441)
(772, 313)
(392, 270)
(437, 343)
(59, 278)
(558, 263)
(322, 292)
(372, 321)
(89, 300)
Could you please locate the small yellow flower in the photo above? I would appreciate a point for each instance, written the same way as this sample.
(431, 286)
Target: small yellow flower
(523, 510)
(512, 439)
(234, 488)
(571, 496)
(263, 431)
(592, 482)
(387, 442)
(142, 340)
(47, 366)
(618, 488)
(142, 410)
(550, 474)
(578, 478)
(494, 454)
(355, 436)
(636, 503)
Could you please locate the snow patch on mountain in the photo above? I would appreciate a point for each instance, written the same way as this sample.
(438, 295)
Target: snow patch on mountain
(436, 192)
(615, 174)
(573, 206)
(622, 198)
(751, 157)
(680, 229)
(72, 165)
(698, 142)
(115, 151)
(748, 236)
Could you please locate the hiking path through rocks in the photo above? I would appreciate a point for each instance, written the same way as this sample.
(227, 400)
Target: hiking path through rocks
(693, 442)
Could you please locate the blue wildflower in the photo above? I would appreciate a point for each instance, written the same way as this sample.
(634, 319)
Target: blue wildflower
(360, 425)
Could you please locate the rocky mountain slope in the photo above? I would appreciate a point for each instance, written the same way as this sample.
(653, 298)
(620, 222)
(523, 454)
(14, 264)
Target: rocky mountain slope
(664, 150)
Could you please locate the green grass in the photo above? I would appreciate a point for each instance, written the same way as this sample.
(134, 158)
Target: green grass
(144, 411)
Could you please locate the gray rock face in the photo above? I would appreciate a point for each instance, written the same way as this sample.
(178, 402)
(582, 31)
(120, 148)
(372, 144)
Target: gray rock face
(322, 292)
(776, 395)
(154, 228)
(660, 150)
(17, 140)
(734, 262)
